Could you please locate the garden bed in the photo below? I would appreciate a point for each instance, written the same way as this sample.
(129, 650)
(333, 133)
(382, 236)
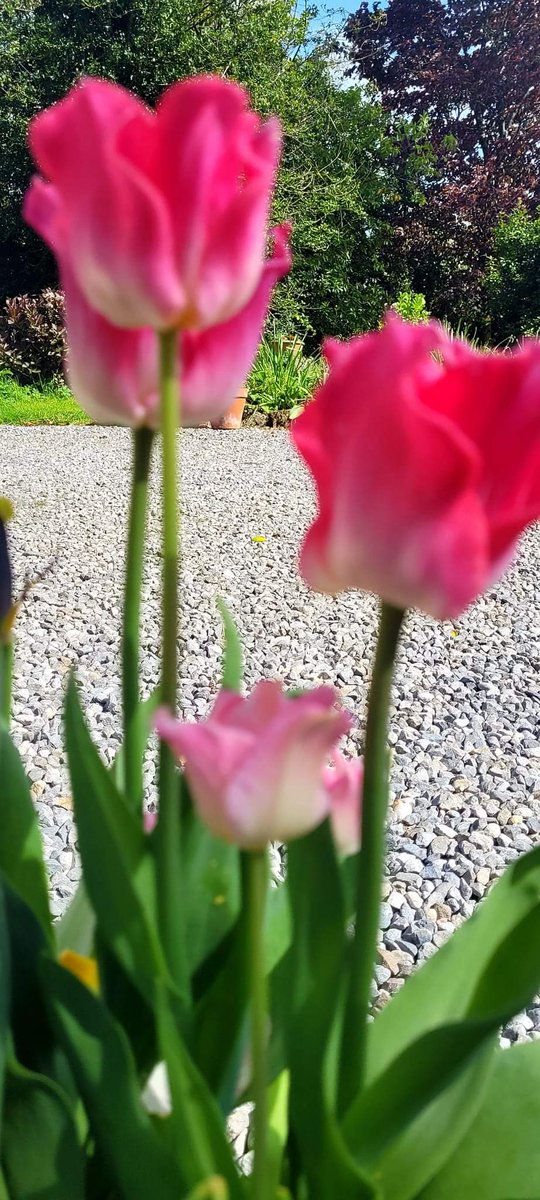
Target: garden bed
(466, 770)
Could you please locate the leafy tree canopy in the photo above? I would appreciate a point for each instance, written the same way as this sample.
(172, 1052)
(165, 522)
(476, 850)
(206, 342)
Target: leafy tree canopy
(338, 161)
(473, 67)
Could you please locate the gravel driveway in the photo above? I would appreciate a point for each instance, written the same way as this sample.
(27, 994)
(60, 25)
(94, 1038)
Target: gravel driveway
(466, 780)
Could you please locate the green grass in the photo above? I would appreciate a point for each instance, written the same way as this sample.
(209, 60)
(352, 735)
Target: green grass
(51, 404)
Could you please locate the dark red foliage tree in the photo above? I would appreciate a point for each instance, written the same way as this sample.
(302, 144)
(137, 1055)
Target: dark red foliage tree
(474, 67)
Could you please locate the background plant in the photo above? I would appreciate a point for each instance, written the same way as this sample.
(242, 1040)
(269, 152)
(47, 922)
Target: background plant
(338, 165)
(282, 377)
(512, 277)
(32, 337)
(471, 70)
(411, 306)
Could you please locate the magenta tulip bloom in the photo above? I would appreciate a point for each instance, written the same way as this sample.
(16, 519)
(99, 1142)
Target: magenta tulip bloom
(256, 765)
(159, 217)
(114, 372)
(426, 459)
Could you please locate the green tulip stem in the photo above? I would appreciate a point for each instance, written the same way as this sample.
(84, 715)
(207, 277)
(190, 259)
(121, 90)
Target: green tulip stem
(256, 883)
(371, 860)
(142, 440)
(6, 677)
(167, 833)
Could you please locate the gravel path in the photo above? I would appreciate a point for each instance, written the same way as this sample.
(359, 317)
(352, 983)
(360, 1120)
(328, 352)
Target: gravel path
(466, 775)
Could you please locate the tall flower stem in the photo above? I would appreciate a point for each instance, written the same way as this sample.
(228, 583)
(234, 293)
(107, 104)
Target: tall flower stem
(6, 676)
(371, 861)
(168, 833)
(255, 867)
(142, 449)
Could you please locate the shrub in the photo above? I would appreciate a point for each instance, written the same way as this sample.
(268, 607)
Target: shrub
(282, 376)
(512, 277)
(411, 306)
(32, 338)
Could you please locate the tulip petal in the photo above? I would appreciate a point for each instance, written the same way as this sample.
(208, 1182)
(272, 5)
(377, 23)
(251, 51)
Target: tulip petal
(112, 372)
(216, 362)
(399, 512)
(255, 766)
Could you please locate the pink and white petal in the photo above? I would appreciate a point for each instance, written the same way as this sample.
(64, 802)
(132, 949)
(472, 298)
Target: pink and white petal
(343, 782)
(111, 371)
(278, 793)
(234, 256)
(42, 209)
(116, 227)
(54, 135)
(216, 362)
(205, 746)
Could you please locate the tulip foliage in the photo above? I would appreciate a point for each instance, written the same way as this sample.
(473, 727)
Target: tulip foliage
(175, 952)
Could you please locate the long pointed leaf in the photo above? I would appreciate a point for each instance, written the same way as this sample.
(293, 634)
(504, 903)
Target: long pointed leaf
(481, 977)
(21, 854)
(5, 993)
(117, 864)
(315, 972)
(197, 1126)
(103, 1066)
(41, 1155)
(499, 1157)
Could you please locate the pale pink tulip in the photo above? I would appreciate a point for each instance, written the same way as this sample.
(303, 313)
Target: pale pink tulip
(256, 765)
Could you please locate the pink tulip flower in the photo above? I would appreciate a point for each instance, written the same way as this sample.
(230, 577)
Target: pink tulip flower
(426, 458)
(113, 372)
(256, 765)
(159, 217)
(343, 784)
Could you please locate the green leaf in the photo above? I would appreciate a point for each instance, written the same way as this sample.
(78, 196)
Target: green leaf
(41, 1155)
(33, 1039)
(5, 992)
(499, 1156)
(482, 976)
(222, 986)
(102, 1063)
(386, 1108)
(311, 1003)
(76, 928)
(140, 732)
(196, 1124)
(231, 667)
(211, 874)
(21, 857)
(117, 863)
(126, 1004)
(278, 1128)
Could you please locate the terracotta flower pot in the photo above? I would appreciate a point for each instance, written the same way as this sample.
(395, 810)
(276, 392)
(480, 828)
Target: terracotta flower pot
(232, 418)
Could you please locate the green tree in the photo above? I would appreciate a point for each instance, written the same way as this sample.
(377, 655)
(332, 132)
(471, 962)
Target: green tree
(337, 162)
(512, 277)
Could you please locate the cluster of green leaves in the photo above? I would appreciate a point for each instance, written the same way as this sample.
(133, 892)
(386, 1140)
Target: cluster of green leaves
(283, 378)
(443, 1113)
(512, 278)
(411, 306)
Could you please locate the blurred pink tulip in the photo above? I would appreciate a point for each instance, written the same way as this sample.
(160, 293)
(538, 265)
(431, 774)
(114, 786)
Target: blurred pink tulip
(113, 372)
(159, 217)
(256, 765)
(426, 458)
